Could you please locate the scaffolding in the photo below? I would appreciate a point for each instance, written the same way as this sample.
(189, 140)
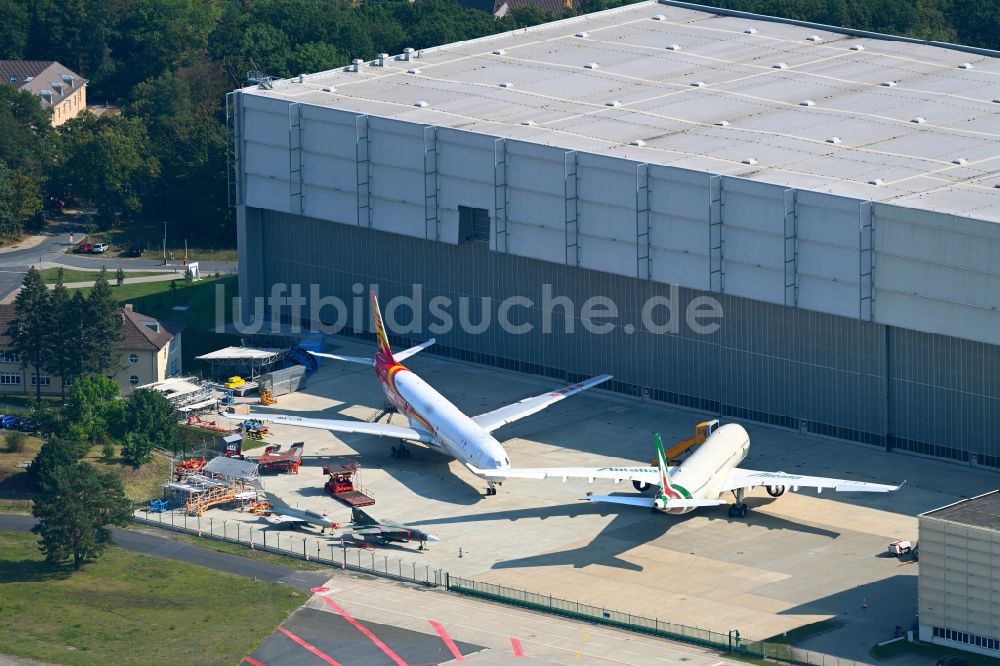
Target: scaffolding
(221, 481)
(249, 361)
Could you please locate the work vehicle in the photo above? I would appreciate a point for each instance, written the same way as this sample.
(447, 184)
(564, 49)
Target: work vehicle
(901, 547)
(235, 382)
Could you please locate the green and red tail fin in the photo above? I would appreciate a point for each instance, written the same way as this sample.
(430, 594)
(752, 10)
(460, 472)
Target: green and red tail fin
(383, 342)
(666, 488)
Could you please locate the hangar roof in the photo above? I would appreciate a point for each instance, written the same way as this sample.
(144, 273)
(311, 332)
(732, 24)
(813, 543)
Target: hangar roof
(814, 107)
(981, 511)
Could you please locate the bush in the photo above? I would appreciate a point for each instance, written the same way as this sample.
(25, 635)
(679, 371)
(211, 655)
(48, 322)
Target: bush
(137, 449)
(108, 450)
(16, 441)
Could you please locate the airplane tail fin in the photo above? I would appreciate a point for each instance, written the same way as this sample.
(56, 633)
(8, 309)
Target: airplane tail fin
(665, 486)
(360, 518)
(383, 341)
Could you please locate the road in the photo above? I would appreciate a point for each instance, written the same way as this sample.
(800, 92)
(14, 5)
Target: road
(158, 546)
(14, 264)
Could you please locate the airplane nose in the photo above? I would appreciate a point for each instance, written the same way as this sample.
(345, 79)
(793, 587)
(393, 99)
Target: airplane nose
(431, 537)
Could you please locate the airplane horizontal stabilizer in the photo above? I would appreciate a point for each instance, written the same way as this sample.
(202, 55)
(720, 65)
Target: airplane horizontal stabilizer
(407, 353)
(363, 360)
(647, 502)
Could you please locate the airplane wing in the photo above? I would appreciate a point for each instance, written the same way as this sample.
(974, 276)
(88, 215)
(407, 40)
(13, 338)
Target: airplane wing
(490, 421)
(288, 520)
(749, 478)
(650, 475)
(650, 502)
(360, 427)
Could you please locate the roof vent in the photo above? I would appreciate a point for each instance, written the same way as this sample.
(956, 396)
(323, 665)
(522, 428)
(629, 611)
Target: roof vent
(920, 120)
(858, 47)
(814, 38)
(673, 47)
(329, 89)
(591, 65)
(613, 102)
(506, 84)
(499, 52)
(750, 31)
(583, 34)
(529, 123)
(422, 103)
(638, 142)
(960, 161)
(408, 53)
(889, 84)
(383, 60)
(807, 102)
(698, 84)
(875, 181)
(721, 123)
(413, 70)
(29, 79)
(354, 66)
(780, 65)
(749, 160)
(660, 17)
(833, 139)
(965, 65)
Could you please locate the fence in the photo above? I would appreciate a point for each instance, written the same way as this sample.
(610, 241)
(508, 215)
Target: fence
(291, 545)
(728, 642)
(794, 655)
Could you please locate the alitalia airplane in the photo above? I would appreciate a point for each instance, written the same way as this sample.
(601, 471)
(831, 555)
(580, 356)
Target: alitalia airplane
(434, 420)
(700, 480)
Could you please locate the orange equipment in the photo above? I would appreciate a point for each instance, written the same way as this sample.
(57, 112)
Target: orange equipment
(702, 431)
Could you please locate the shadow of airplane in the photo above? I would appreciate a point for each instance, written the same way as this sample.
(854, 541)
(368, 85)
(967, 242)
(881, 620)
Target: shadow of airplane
(628, 529)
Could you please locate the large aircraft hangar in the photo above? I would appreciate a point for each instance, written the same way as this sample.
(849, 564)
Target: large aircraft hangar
(759, 218)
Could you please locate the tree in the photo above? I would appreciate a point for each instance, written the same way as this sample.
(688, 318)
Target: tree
(92, 405)
(20, 201)
(55, 454)
(75, 321)
(30, 329)
(63, 337)
(150, 415)
(102, 328)
(15, 441)
(119, 276)
(136, 448)
(108, 163)
(73, 517)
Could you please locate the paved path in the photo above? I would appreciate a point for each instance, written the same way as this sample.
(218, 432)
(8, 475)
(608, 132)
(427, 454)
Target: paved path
(148, 543)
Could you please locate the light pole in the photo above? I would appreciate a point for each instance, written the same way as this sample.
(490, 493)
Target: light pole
(164, 242)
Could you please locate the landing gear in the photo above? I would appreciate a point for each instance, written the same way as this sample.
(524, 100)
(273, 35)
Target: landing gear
(739, 509)
(400, 452)
(492, 489)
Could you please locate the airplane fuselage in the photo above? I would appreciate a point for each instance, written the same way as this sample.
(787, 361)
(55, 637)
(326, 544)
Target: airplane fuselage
(702, 475)
(454, 432)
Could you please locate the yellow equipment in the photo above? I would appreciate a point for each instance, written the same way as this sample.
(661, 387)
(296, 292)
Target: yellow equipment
(266, 398)
(235, 382)
(701, 433)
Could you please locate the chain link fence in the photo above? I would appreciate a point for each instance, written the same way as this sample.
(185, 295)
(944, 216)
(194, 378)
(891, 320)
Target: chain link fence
(334, 554)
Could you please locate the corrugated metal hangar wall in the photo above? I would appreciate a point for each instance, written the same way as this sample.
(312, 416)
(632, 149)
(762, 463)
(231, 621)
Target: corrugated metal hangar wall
(852, 318)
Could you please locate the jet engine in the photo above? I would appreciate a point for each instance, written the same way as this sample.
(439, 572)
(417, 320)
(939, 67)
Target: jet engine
(660, 504)
(641, 486)
(775, 491)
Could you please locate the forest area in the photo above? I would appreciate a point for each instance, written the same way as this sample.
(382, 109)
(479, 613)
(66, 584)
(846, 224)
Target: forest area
(169, 63)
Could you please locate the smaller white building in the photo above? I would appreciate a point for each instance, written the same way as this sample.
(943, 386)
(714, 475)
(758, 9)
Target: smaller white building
(960, 575)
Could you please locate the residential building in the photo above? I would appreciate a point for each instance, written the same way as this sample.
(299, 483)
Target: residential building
(149, 352)
(62, 90)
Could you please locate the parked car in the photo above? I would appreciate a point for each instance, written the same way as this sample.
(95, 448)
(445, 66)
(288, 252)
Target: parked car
(84, 248)
(134, 251)
(10, 422)
(99, 248)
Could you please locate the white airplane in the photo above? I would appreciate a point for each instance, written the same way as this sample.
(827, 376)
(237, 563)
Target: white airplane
(434, 420)
(699, 481)
(280, 513)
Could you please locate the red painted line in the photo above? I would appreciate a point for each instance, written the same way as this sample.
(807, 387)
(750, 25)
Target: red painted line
(372, 637)
(516, 644)
(322, 655)
(253, 662)
(455, 652)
